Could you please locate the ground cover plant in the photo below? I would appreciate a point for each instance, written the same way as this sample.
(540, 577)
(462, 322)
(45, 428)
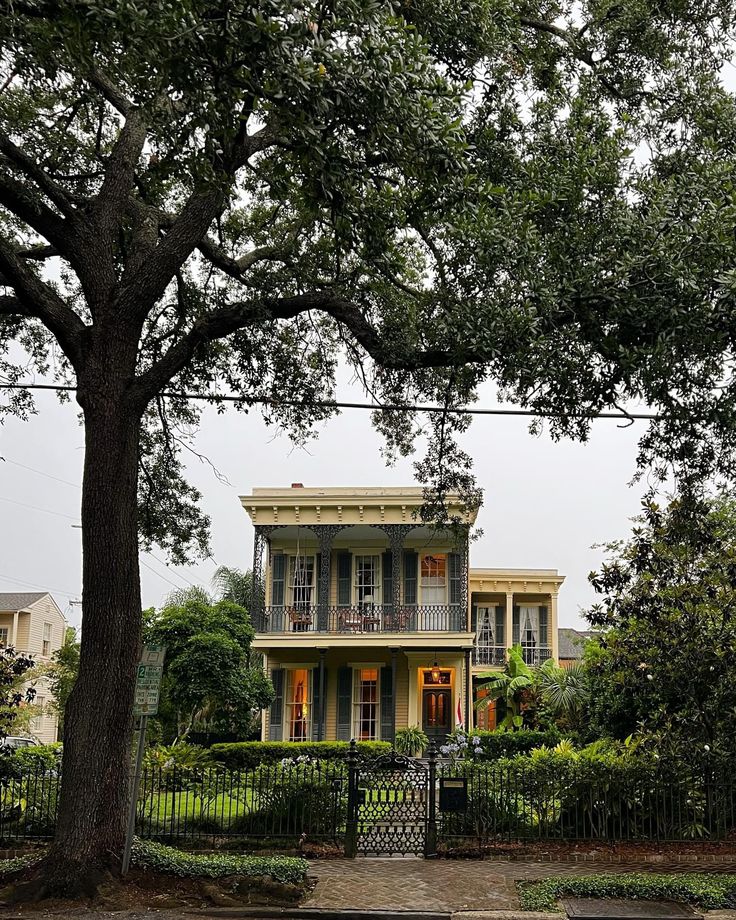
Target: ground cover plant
(710, 891)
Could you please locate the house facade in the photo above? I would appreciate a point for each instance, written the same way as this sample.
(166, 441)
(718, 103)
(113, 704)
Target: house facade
(32, 623)
(371, 621)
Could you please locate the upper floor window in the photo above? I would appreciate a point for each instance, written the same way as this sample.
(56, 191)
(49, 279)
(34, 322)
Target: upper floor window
(37, 723)
(46, 644)
(433, 579)
(301, 581)
(367, 583)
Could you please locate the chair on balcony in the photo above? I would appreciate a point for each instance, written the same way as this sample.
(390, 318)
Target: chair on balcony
(398, 621)
(301, 620)
(349, 620)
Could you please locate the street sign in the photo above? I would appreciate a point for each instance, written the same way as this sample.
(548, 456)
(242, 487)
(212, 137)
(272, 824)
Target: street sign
(148, 681)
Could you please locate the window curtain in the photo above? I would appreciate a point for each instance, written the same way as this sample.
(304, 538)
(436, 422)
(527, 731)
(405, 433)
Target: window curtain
(530, 626)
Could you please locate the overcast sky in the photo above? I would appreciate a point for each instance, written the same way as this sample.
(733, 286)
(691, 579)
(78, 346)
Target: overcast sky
(546, 504)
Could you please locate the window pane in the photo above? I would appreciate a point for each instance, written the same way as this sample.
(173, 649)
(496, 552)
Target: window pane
(366, 704)
(366, 579)
(301, 580)
(298, 705)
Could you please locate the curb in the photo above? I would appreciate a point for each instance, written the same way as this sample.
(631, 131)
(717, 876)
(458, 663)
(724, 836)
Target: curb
(320, 913)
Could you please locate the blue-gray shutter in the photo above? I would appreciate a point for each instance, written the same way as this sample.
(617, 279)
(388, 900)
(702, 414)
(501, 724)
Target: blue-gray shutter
(516, 626)
(474, 617)
(411, 561)
(543, 627)
(387, 704)
(344, 575)
(316, 705)
(500, 632)
(278, 579)
(276, 715)
(387, 576)
(344, 703)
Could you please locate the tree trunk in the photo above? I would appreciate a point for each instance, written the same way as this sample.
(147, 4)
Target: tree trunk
(96, 774)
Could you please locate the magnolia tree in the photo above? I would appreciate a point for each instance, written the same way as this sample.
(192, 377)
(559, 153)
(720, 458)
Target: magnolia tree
(230, 197)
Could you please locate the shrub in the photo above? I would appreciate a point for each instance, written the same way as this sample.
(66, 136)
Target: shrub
(247, 754)
(411, 741)
(180, 755)
(38, 756)
(709, 891)
(148, 855)
(499, 744)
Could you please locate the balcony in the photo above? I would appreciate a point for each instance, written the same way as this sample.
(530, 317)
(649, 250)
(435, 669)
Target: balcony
(359, 620)
(495, 655)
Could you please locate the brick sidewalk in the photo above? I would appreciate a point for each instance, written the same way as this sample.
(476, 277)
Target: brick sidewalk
(450, 885)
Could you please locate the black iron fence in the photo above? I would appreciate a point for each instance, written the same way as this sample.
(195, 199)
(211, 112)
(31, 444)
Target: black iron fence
(572, 800)
(363, 618)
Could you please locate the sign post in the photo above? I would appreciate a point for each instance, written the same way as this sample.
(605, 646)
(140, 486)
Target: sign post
(147, 689)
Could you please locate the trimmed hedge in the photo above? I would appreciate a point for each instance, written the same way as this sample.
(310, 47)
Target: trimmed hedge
(247, 754)
(496, 745)
(149, 855)
(709, 891)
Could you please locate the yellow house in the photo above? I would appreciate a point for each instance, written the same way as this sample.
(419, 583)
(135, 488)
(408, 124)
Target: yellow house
(31, 622)
(372, 622)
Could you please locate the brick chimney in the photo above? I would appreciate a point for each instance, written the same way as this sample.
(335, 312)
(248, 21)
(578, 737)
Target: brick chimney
(297, 485)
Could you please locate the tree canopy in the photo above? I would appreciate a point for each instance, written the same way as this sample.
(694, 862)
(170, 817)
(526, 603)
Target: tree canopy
(664, 664)
(208, 679)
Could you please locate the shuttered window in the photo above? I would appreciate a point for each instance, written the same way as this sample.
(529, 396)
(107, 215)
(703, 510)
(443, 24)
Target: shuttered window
(365, 704)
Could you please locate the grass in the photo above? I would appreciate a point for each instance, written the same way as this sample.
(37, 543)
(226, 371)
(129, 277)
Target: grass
(709, 891)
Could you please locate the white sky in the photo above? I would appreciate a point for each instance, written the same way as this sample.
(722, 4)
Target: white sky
(546, 504)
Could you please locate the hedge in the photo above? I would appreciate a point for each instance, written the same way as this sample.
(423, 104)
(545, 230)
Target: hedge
(247, 754)
(507, 744)
(709, 891)
(149, 855)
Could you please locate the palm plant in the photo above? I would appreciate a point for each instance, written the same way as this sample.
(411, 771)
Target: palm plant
(564, 691)
(508, 685)
(234, 585)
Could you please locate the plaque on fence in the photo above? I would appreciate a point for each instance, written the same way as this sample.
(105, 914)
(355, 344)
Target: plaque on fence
(453, 794)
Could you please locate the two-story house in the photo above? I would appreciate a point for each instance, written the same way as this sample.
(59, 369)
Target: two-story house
(32, 623)
(371, 621)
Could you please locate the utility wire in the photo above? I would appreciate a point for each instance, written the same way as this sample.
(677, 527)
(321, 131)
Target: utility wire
(372, 407)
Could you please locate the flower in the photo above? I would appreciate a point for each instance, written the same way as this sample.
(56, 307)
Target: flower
(650, 677)
(706, 748)
(444, 749)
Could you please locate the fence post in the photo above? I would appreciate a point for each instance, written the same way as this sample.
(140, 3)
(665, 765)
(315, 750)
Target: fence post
(430, 843)
(351, 825)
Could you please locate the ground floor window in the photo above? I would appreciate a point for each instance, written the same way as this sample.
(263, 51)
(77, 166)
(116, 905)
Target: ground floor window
(299, 704)
(365, 704)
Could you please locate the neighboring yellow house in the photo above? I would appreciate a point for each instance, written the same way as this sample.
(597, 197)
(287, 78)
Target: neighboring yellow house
(33, 623)
(372, 622)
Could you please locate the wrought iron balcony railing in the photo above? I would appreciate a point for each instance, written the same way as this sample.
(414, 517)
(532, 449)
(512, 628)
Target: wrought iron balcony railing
(373, 618)
(495, 655)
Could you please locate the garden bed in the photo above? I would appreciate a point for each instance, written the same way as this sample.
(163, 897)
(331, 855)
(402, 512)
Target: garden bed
(707, 891)
(163, 878)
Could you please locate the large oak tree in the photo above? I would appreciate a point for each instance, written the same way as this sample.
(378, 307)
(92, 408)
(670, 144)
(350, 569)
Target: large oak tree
(228, 196)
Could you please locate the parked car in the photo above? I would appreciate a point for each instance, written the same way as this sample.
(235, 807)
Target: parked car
(13, 742)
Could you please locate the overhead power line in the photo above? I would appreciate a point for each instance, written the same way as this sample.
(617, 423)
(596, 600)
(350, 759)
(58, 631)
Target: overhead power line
(372, 407)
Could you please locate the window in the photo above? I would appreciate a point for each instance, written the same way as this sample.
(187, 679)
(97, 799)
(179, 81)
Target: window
(301, 581)
(46, 645)
(365, 704)
(366, 580)
(37, 723)
(298, 704)
(4, 636)
(433, 579)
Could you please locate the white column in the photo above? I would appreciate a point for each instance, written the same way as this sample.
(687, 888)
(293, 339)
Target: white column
(509, 621)
(554, 643)
(14, 637)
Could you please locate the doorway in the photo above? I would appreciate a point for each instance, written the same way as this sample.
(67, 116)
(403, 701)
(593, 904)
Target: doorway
(436, 713)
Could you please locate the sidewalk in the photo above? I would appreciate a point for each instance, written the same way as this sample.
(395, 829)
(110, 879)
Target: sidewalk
(451, 885)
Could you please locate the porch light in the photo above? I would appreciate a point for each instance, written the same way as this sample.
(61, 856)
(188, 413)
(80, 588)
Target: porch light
(435, 672)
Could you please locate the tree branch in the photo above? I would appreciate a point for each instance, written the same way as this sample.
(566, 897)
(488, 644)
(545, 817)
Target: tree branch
(36, 299)
(33, 171)
(40, 217)
(224, 322)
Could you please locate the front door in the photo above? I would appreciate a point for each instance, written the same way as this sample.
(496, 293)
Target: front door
(436, 713)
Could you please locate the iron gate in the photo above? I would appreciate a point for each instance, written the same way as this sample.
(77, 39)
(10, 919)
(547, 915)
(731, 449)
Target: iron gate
(391, 805)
